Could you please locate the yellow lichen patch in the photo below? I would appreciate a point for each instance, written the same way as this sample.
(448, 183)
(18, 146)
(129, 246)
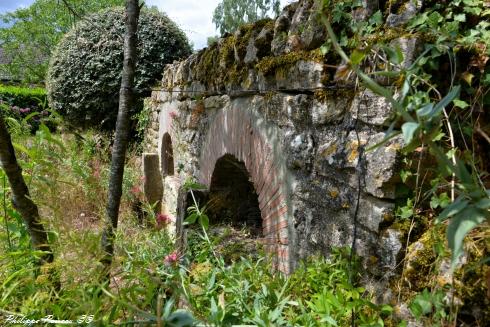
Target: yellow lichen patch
(393, 147)
(333, 192)
(328, 151)
(353, 155)
(354, 150)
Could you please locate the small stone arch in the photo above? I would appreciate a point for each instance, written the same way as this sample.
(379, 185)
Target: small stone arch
(239, 133)
(167, 156)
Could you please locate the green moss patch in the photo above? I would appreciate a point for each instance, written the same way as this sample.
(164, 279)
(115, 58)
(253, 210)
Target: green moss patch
(271, 64)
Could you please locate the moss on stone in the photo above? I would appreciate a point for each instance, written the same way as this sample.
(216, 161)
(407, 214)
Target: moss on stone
(271, 64)
(227, 52)
(245, 33)
(471, 282)
(217, 65)
(420, 262)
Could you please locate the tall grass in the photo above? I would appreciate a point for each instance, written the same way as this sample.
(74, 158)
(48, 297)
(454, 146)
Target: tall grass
(151, 283)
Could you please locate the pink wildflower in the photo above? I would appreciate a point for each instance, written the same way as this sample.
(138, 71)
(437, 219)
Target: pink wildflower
(163, 220)
(171, 258)
(173, 114)
(135, 190)
(24, 110)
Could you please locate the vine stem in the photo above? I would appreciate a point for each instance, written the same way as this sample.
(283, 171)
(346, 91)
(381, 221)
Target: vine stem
(5, 214)
(453, 156)
(202, 226)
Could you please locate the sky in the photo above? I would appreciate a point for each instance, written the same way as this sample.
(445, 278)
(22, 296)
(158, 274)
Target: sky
(193, 16)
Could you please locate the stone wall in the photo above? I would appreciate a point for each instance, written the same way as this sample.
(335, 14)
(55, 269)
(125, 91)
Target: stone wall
(266, 96)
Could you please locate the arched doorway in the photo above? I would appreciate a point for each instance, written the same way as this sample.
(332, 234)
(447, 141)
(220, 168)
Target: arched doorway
(167, 156)
(232, 196)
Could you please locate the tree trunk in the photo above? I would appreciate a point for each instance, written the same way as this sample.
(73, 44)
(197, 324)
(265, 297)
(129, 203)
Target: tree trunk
(126, 100)
(20, 195)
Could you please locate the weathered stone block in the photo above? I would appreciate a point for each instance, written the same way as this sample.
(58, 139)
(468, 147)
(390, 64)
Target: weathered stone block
(327, 111)
(408, 11)
(304, 75)
(371, 109)
(281, 28)
(152, 186)
(382, 167)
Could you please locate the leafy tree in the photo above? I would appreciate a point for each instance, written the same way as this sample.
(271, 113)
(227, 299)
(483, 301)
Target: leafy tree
(31, 33)
(85, 68)
(230, 14)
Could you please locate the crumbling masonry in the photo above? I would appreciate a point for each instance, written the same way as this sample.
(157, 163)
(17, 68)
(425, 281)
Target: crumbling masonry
(264, 101)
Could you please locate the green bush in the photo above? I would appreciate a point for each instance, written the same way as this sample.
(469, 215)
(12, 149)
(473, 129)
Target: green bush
(19, 102)
(22, 97)
(85, 69)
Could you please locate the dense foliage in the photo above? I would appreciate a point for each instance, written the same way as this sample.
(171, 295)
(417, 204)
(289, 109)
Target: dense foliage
(85, 69)
(28, 35)
(19, 103)
(231, 14)
(23, 97)
(67, 177)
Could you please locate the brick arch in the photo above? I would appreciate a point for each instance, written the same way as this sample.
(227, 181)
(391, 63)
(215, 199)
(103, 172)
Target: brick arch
(235, 131)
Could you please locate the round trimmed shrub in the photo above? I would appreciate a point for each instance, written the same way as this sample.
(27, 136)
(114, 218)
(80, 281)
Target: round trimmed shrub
(85, 69)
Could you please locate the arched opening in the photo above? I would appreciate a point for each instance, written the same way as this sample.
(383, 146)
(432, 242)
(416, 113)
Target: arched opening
(167, 156)
(232, 196)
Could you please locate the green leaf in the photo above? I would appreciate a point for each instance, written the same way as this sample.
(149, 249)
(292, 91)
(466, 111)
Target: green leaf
(29, 116)
(452, 209)
(425, 110)
(204, 221)
(357, 56)
(408, 131)
(441, 200)
(460, 226)
(483, 203)
(325, 49)
(395, 55)
(377, 18)
(191, 219)
(406, 212)
(460, 18)
(445, 101)
(460, 103)
(434, 19)
(194, 186)
(329, 320)
(386, 309)
(421, 305)
(180, 318)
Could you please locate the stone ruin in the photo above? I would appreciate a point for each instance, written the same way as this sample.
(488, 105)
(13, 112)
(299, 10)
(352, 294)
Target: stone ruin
(280, 145)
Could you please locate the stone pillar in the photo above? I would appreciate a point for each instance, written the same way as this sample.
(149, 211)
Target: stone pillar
(152, 185)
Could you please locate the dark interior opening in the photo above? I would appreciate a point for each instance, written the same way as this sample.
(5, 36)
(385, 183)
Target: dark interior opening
(167, 156)
(232, 196)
